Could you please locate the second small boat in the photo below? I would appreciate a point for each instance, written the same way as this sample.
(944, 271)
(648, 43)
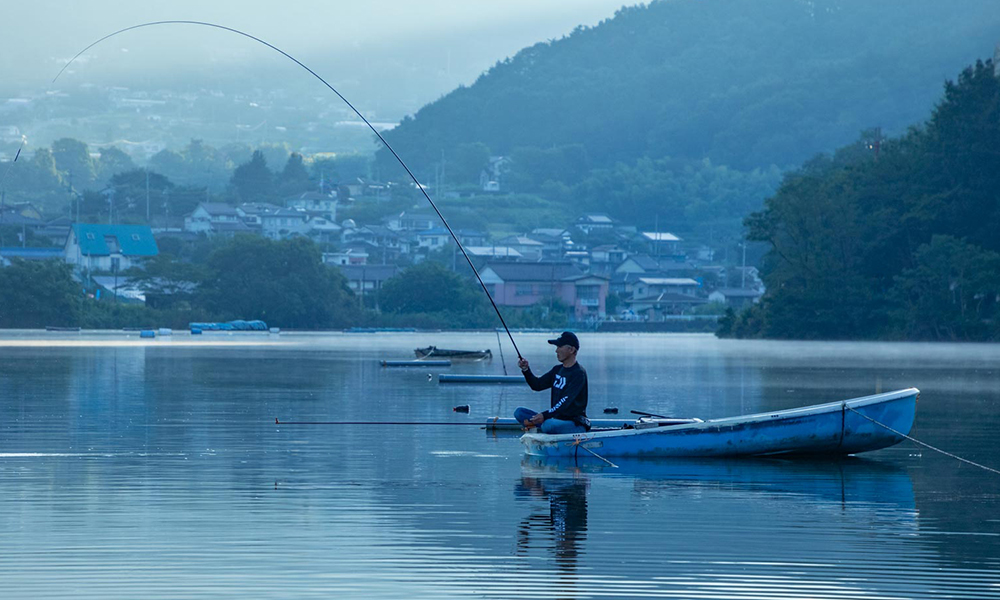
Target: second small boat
(435, 352)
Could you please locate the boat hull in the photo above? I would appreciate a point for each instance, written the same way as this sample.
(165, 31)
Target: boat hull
(435, 352)
(834, 428)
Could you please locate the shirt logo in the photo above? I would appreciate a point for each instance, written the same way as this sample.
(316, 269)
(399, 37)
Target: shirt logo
(560, 382)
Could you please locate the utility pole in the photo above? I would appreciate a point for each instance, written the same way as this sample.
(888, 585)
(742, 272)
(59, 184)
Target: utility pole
(147, 196)
(743, 273)
(441, 181)
(656, 236)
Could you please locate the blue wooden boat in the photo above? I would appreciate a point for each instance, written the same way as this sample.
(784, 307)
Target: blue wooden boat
(832, 428)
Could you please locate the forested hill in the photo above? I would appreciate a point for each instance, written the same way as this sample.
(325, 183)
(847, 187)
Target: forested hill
(743, 83)
(901, 244)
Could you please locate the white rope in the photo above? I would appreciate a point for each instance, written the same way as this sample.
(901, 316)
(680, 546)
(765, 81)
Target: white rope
(579, 444)
(926, 445)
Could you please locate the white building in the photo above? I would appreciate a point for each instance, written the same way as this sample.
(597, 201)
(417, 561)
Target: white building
(214, 217)
(109, 247)
(314, 203)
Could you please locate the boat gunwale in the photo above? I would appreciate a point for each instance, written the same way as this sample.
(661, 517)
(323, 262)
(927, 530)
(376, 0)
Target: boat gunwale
(816, 409)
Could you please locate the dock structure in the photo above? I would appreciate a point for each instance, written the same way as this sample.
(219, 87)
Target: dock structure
(415, 363)
(450, 378)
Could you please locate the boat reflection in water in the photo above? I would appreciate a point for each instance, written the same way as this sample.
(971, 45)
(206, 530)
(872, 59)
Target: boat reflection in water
(563, 524)
(757, 528)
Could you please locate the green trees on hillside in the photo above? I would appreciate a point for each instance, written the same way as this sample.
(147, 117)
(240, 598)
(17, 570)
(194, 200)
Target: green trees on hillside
(902, 244)
(744, 84)
(252, 180)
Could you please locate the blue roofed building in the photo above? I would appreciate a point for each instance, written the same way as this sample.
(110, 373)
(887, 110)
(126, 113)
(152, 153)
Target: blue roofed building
(109, 247)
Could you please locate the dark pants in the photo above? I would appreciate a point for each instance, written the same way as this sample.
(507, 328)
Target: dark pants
(552, 426)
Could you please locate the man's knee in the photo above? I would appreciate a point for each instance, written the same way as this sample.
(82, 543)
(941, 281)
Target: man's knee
(522, 414)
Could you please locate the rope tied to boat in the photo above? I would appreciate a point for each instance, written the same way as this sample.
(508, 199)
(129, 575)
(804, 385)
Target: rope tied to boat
(924, 444)
(578, 442)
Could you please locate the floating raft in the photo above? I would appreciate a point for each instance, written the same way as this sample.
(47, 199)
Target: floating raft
(509, 424)
(446, 378)
(415, 363)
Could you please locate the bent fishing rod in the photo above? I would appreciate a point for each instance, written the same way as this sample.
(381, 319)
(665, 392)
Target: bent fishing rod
(420, 187)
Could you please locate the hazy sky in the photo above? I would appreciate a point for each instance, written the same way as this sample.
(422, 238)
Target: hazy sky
(461, 37)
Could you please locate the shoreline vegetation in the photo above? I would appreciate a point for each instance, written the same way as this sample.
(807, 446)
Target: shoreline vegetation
(889, 239)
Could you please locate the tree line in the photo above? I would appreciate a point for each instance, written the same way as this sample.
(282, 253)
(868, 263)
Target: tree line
(892, 238)
(284, 283)
(67, 180)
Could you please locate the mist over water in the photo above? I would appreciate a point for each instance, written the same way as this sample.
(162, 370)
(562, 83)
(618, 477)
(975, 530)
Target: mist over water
(155, 470)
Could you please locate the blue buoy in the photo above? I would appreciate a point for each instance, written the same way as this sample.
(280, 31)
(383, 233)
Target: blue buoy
(195, 331)
(147, 333)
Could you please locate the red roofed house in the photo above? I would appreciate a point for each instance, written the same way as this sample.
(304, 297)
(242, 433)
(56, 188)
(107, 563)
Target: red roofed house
(527, 284)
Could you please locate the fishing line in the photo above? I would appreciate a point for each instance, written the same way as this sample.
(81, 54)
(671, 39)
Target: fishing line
(500, 344)
(348, 103)
(277, 422)
(11, 165)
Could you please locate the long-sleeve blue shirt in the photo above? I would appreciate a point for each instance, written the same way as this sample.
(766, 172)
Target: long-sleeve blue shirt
(569, 392)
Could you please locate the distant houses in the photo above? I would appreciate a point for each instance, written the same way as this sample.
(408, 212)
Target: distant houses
(368, 279)
(215, 218)
(310, 214)
(595, 222)
(585, 264)
(528, 284)
(649, 272)
(737, 298)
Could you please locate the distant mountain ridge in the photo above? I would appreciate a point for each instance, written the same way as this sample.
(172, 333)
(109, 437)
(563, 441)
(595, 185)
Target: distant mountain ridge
(744, 84)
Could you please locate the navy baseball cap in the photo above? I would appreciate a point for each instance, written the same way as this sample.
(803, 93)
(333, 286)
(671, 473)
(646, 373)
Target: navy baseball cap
(568, 338)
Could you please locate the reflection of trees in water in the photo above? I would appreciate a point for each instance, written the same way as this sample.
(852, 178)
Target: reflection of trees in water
(565, 523)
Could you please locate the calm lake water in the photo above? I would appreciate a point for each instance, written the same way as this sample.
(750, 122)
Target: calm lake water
(154, 469)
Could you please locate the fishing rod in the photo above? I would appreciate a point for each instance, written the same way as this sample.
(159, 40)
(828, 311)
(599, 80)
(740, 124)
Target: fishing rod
(277, 422)
(420, 187)
(646, 414)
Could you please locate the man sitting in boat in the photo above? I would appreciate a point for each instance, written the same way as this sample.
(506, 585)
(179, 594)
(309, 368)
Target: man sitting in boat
(568, 381)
